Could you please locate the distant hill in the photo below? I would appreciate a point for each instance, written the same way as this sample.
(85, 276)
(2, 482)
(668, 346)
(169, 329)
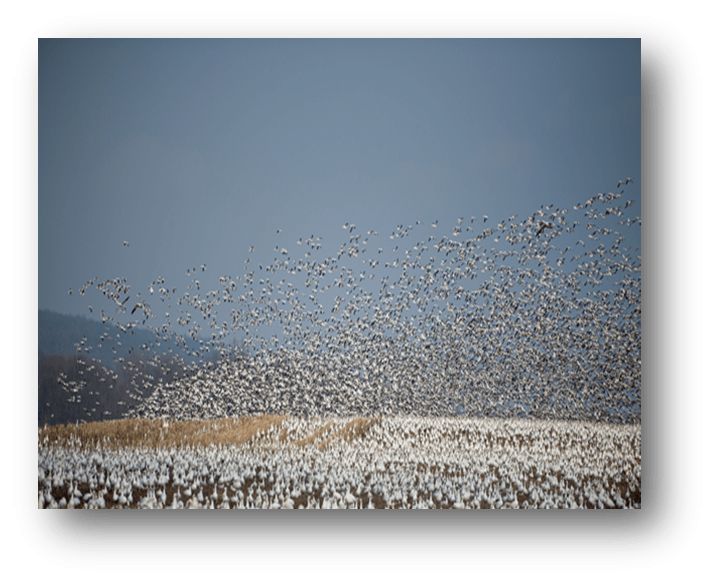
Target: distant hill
(62, 334)
(71, 345)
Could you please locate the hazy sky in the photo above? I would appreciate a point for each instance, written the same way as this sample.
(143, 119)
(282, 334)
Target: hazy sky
(193, 151)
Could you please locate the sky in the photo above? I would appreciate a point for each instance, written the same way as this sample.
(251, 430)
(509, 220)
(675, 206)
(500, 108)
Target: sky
(195, 151)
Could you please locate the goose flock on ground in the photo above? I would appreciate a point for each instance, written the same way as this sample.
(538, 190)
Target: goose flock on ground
(501, 366)
(396, 462)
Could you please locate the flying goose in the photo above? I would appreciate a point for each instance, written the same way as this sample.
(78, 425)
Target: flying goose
(122, 304)
(544, 226)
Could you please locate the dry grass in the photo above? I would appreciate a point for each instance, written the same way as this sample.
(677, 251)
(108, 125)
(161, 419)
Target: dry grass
(162, 434)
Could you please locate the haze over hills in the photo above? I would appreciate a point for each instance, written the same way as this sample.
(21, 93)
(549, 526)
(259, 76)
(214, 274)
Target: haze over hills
(81, 349)
(63, 334)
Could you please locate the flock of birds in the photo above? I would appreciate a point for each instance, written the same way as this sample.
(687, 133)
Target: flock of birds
(534, 318)
(531, 330)
(397, 462)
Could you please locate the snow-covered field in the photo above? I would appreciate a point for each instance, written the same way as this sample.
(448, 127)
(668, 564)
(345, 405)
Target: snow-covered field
(274, 462)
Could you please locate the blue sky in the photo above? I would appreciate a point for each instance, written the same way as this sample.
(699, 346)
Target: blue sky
(193, 151)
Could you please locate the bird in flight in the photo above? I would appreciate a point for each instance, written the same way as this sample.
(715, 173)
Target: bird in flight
(125, 243)
(544, 227)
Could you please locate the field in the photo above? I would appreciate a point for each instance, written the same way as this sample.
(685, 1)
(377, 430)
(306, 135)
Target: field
(286, 462)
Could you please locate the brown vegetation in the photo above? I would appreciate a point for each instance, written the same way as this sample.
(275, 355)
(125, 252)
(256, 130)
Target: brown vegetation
(164, 434)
